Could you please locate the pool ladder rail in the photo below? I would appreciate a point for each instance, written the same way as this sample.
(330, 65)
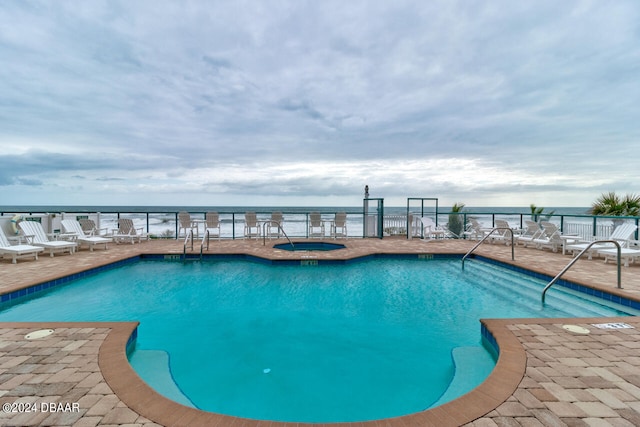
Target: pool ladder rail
(264, 234)
(574, 260)
(188, 241)
(485, 238)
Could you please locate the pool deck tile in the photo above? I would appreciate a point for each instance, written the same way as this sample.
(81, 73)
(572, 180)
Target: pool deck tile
(545, 375)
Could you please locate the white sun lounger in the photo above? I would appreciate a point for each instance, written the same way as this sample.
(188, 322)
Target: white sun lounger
(128, 232)
(430, 230)
(17, 251)
(531, 232)
(627, 255)
(35, 235)
(72, 226)
(621, 234)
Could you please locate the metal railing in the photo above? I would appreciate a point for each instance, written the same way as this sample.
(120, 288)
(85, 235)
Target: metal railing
(163, 223)
(188, 238)
(485, 238)
(264, 234)
(573, 261)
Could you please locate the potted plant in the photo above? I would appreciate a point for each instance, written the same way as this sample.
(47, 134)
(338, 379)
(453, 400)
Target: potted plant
(456, 220)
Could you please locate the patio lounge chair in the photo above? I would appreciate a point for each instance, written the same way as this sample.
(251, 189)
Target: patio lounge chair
(339, 225)
(550, 238)
(627, 255)
(502, 234)
(128, 232)
(251, 226)
(621, 234)
(90, 229)
(316, 225)
(430, 230)
(212, 225)
(184, 222)
(474, 231)
(36, 236)
(531, 232)
(274, 224)
(72, 226)
(17, 251)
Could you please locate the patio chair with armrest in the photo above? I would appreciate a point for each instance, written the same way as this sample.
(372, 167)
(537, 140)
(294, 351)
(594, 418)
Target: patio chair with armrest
(17, 251)
(72, 226)
(36, 236)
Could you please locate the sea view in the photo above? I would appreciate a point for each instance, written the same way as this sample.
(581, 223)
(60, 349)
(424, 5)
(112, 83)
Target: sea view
(161, 221)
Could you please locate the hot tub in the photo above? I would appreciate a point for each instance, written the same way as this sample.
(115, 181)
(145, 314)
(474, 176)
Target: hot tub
(309, 246)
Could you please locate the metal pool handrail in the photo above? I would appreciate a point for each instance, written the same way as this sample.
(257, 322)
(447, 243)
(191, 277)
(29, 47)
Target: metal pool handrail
(485, 238)
(188, 237)
(573, 261)
(264, 234)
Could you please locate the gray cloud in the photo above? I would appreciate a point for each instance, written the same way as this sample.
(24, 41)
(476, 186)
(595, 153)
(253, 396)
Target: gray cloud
(147, 92)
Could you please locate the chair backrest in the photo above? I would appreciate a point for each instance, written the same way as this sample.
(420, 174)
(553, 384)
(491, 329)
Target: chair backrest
(125, 226)
(532, 228)
(34, 229)
(315, 220)
(550, 230)
(185, 219)
(474, 226)
(72, 226)
(88, 225)
(340, 219)
(250, 219)
(4, 242)
(623, 231)
(277, 217)
(212, 219)
(502, 226)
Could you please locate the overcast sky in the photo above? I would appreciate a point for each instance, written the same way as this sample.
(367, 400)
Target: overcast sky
(489, 103)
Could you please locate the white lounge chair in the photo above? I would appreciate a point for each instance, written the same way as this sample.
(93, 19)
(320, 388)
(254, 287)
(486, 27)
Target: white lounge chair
(251, 226)
(503, 232)
(550, 238)
(474, 230)
(531, 232)
(185, 223)
(72, 226)
(339, 225)
(90, 229)
(430, 230)
(627, 255)
(274, 224)
(621, 234)
(127, 231)
(17, 251)
(212, 225)
(36, 236)
(316, 225)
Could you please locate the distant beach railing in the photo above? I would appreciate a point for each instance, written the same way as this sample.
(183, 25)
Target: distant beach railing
(165, 224)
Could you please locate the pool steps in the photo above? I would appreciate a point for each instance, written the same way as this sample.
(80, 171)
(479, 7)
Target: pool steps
(498, 281)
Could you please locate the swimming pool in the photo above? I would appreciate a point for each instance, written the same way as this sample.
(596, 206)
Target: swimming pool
(324, 343)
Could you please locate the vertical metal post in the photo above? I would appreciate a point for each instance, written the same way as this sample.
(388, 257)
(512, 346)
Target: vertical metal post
(380, 218)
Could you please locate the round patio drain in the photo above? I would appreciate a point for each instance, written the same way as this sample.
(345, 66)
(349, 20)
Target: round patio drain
(42, 333)
(576, 329)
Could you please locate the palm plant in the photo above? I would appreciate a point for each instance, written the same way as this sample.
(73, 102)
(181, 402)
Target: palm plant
(456, 220)
(537, 212)
(613, 205)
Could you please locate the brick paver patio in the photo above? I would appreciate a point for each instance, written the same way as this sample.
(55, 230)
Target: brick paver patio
(546, 375)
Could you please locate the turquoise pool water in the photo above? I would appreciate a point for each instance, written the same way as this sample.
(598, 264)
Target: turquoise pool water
(361, 341)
